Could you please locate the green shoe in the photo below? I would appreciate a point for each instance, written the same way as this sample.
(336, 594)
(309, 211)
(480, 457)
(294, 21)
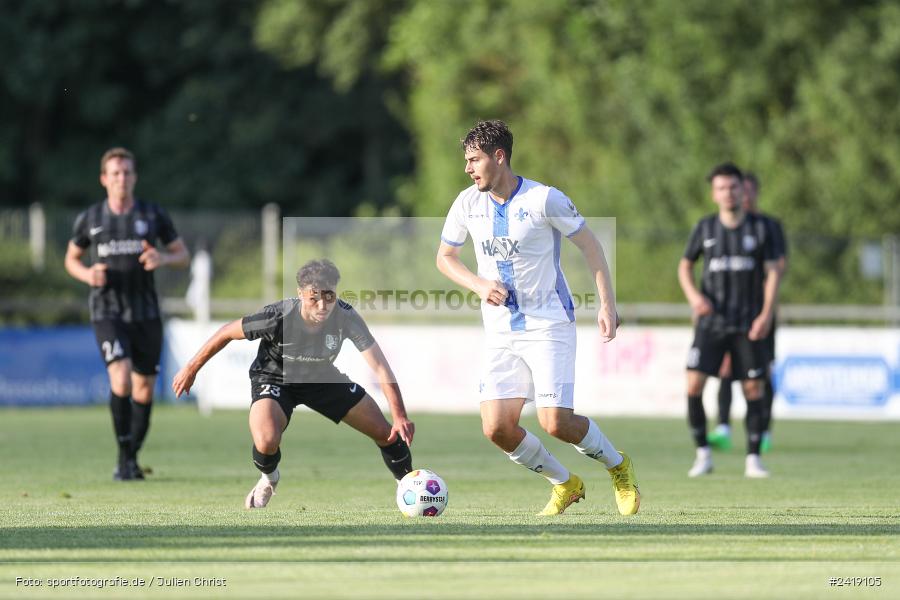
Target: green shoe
(720, 439)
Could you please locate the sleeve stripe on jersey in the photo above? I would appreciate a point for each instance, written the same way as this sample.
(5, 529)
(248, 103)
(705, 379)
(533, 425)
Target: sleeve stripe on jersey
(577, 229)
(448, 242)
(562, 289)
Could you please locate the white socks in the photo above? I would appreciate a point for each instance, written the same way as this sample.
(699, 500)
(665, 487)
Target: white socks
(596, 445)
(531, 454)
(272, 477)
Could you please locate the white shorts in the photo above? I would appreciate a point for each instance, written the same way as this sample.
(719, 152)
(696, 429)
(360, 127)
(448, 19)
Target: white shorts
(536, 365)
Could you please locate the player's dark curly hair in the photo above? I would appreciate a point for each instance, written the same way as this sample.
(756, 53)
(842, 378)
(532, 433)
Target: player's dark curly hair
(487, 136)
(318, 274)
(729, 169)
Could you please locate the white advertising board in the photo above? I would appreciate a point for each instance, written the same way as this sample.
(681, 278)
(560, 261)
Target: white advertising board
(820, 372)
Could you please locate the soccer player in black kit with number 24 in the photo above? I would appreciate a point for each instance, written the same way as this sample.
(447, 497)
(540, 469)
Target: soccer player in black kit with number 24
(734, 309)
(120, 233)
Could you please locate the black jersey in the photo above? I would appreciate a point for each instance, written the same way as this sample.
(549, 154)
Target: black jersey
(129, 294)
(733, 269)
(290, 353)
(779, 242)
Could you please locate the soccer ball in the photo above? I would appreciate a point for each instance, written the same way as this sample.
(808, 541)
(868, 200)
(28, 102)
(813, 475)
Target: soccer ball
(422, 493)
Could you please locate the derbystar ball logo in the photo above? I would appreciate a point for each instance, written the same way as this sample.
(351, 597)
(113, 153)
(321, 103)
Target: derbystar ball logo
(501, 247)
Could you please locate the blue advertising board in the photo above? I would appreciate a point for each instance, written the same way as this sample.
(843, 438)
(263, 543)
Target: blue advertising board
(51, 366)
(836, 381)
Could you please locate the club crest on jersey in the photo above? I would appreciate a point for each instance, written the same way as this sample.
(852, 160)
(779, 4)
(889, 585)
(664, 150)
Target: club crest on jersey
(501, 247)
(521, 214)
(141, 227)
(749, 243)
(331, 342)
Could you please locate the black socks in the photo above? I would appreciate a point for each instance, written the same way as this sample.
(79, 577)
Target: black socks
(697, 420)
(725, 400)
(267, 463)
(767, 399)
(397, 458)
(140, 423)
(754, 422)
(120, 407)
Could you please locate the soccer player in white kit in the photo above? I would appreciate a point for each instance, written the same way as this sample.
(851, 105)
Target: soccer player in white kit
(516, 227)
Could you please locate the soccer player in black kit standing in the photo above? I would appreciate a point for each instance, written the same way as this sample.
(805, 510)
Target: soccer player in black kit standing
(721, 435)
(734, 310)
(300, 338)
(120, 233)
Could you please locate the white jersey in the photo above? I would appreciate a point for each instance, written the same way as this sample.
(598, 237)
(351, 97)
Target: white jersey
(519, 243)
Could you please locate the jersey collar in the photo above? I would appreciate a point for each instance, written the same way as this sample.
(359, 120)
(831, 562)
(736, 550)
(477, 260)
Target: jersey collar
(511, 196)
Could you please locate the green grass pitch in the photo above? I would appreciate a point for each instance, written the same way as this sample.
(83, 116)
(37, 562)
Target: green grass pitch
(831, 509)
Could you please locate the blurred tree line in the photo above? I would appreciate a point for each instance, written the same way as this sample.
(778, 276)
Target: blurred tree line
(356, 107)
(215, 121)
(626, 105)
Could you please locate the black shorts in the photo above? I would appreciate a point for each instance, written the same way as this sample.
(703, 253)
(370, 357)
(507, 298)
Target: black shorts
(749, 359)
(141, 341)
(332, 400)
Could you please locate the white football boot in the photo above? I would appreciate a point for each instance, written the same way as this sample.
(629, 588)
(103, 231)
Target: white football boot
(754, 468)
(702, 463)
(261, 493)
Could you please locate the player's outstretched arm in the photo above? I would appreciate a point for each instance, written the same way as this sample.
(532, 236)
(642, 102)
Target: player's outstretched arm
(184, 379)
(607, 317)
(401, 425)
(448, 263)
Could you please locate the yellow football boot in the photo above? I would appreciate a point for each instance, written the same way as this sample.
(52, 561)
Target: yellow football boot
(628, 496)
(564, 495)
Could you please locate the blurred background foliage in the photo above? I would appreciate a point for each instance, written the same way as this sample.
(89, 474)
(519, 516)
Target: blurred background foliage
(356, 108)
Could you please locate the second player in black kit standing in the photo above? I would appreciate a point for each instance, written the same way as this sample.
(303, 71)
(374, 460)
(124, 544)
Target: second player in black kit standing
(120, 234)
(734, 310)
(300, 338)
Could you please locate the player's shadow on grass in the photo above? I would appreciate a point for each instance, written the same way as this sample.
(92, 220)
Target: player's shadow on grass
(71, 542)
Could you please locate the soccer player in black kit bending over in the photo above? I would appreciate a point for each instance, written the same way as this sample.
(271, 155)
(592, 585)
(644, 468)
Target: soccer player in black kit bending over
(120, 234)
(299, 340)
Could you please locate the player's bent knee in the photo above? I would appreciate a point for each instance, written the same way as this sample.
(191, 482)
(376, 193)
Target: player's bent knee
(694, 390)
(142, 394)
(554, 428)
(267, 442)
(121, 386)
(379, 430)
(497, 434)
(753, 389)
(379, 433)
